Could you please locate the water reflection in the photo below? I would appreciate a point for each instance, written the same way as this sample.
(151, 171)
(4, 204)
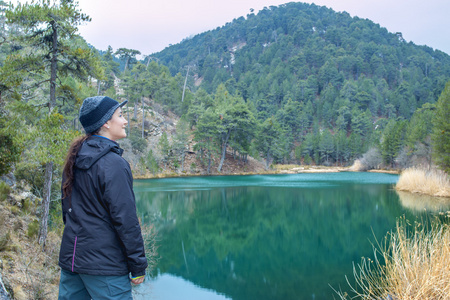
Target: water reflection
(162, 288)
(268, 237)
(421, 203)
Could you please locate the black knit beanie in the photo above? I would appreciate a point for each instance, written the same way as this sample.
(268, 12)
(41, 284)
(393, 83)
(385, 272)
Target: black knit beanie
(96, 111)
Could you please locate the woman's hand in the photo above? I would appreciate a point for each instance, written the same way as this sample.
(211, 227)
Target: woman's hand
(138, 280)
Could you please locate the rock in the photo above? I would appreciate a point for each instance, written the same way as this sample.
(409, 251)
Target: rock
(9, 179)
(4, 295)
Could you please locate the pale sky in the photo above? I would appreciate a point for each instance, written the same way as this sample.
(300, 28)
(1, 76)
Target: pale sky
(151, 25)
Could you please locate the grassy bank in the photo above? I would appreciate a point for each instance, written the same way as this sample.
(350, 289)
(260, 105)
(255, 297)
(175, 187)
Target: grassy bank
(433, 182)
(412, 264)
(28, 271)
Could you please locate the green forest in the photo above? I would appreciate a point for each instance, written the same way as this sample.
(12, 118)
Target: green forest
(323, 87)
(293, 84)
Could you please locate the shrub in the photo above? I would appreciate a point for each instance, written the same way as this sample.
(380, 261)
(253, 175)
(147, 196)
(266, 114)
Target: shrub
(15, 210)
(5, 241)
(137, 142)
(9, 152)
(151, 163)
(33, 229)
(357, 166)
(4, 191)
(371, 160)
(32, 174)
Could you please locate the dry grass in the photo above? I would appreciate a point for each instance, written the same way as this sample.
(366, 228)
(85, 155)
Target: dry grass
(434, 182)
(280, 167)
(415, 265)
(357, 166)
(28, 272)
(149, 235)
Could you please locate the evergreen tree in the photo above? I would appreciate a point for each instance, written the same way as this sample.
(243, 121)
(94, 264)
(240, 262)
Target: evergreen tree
(326, 146)
(128, 56)
(180, 141)
(441, 131)
(200, 103)
(341, 147)
(269, 133)
(236, 122)
(392, 141)
(49, 48)
(10, 147)
(206, 136)
(151, 163)
(164, 147)
(111, 70)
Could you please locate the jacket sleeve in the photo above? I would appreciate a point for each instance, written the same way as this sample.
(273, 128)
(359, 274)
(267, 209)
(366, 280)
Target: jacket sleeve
(119, 196)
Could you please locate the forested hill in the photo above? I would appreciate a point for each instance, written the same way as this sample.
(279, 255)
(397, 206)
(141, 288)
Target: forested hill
(307, 53)
(310, 70)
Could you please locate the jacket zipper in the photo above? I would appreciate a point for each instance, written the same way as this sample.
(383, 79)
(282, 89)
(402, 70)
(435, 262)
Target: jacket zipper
(74, 249)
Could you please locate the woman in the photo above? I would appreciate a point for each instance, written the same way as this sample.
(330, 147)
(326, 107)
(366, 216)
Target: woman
(102, 242)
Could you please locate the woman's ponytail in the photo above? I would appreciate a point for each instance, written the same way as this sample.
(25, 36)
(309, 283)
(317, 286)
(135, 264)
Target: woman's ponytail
(69, 163)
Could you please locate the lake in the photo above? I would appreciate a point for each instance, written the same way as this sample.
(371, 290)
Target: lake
(266, 236)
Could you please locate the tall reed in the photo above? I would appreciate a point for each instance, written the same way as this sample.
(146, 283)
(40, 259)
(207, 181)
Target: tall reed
(412, 264)
(434, 182)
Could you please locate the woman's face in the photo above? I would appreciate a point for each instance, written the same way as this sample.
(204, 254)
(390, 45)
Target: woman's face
(114, 129)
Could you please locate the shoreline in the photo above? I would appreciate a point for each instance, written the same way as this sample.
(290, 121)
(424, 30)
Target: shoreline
(277, 171)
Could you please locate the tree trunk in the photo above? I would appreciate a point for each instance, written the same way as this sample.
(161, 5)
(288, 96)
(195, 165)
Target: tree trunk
(143, 117)
(183, 155)
(46, 203)
(129, 126)
(49, 166)
(185, 81)
(209, 163)
(98, 87)
(126, 63)
(267, 159)
(224, 152)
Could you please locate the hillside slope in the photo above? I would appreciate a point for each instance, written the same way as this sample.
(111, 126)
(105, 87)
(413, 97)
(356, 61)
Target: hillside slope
(309, 53)
(160, 120)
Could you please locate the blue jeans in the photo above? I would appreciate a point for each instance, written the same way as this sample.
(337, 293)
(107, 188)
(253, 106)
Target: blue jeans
(73, 286)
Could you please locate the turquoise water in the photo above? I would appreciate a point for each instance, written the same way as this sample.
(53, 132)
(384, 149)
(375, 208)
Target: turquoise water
(264, 237)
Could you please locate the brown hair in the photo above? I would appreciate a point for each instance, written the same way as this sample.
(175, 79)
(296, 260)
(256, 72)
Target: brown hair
(70, 162)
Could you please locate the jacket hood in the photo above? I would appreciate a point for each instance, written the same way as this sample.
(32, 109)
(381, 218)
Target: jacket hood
(93, 149)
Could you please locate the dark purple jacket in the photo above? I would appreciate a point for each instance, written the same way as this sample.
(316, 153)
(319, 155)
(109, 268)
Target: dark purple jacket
(102, 235)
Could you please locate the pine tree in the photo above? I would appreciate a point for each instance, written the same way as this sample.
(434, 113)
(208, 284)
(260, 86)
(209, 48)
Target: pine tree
(441, 131)
(49, 49)
(268, 135)
(392, 141)
(164, 147)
